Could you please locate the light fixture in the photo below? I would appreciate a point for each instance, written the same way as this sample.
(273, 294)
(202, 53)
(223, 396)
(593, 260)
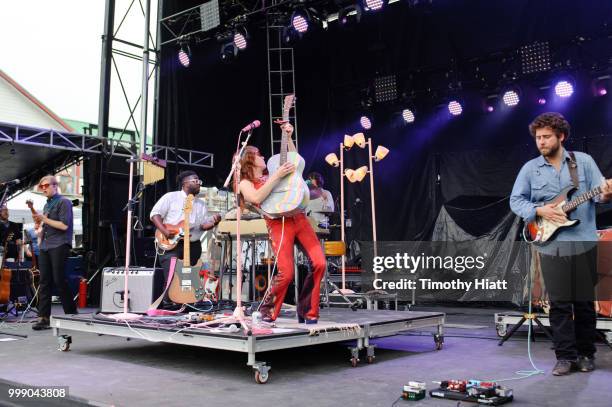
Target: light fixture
(511, 98)
(360, 173)
(491, 102)
(564, 89)
(299, 21)
(373, 4)
(408, 116)
(359, 139)
(348, 141)
(229, 51)
(365, 122)
(332, 159)
(601, 85)
(455, 108)
(240, 40)
(184, 55)
(350, 15)
(381, 152)
(350, 174)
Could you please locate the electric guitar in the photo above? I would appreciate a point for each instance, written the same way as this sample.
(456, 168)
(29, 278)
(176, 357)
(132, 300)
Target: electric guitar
(541, 231)
(5, 274)
(191, 284)
(291, 194)
(169, 243)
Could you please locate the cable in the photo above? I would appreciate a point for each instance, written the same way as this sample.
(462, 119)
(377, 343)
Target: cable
(395, 402)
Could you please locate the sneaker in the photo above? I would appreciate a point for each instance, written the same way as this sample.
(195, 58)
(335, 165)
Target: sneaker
(586, 364)
(563, 367)
(42, 323)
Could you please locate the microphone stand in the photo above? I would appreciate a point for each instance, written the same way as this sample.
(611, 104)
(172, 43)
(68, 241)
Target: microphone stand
(238, 315)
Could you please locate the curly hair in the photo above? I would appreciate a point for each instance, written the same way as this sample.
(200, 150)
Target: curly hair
(247, 163)
(318, 177)
(554, 120)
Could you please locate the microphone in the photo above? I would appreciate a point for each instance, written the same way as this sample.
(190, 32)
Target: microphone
(255, 124)
(9, 183)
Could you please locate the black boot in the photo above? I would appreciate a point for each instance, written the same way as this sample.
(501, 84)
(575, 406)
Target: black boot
(42, 323)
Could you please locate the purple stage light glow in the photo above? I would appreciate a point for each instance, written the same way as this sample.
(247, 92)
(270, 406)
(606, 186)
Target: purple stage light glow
(365, 123)
(240, 41)
(564, 89)
(374, 4)
(455, 108)
(183, 58)
(541, 101)
(299, 23)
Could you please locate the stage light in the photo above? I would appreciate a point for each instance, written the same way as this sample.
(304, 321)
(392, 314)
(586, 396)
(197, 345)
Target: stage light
(365, 122)
(511, 98)
(373, 4)
(350, 15)
(385, 88)
(332, 159)
(240, 41)
(564, 89)
(348, 141)
(408, 116)
(359, 139)
(299, 23)
(360, 173)
(535, 58)
(229, 51)
(541, 101)
(601, 85)
(490, 103)
(381, 152)
(184, 55)
(455, 108)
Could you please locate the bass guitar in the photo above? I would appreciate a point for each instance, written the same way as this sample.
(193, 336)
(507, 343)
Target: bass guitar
(540, 231)
(291, 194)
(191, 284)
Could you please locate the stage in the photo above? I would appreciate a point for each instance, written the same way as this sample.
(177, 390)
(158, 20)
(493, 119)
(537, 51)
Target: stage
(108, 370)
(335, 325)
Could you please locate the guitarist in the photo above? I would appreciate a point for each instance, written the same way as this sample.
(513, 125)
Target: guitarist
(169, 211)
(569, 262)
(55, 245)
(254, 188)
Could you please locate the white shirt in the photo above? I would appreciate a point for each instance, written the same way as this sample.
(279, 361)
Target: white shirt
(170, 208)
(325, 203)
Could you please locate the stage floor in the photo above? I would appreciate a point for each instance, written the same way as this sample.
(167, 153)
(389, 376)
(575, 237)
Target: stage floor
(335, 325)
(113, 371)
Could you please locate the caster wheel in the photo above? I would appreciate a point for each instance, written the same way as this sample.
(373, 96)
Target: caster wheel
(64, 347)
(261, 378)
(354, 361)
(501, 330)
(371, 359)
(439, 345)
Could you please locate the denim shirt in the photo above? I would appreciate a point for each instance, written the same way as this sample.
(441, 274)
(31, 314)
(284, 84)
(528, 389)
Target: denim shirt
(539, 182)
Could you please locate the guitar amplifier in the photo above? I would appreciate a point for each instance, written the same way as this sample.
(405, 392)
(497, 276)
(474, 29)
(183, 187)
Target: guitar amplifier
(144, 285)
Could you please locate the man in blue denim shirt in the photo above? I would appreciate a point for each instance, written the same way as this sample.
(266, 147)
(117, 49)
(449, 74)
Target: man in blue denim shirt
(570, 259)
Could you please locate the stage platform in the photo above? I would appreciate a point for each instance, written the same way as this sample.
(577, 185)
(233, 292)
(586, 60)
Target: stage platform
(335, 325)
(505, 319)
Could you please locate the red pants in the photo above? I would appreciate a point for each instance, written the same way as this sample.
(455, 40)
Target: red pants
(296, 227)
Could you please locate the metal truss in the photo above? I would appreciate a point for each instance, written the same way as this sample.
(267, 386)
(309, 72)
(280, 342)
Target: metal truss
(90, 144)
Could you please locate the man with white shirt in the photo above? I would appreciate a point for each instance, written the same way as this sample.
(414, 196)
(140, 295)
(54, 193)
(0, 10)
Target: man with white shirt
(169, 210)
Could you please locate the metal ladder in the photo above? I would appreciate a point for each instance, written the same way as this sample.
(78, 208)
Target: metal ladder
(281, 78)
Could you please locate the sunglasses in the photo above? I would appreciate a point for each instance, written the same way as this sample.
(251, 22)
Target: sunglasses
(45, 186)
(195, 181)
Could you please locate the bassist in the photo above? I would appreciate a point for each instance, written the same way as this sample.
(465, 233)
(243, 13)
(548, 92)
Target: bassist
(169, 211)
(568, 262)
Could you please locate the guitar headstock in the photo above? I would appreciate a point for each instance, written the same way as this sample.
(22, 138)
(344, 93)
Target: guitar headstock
(188, 204)
(287, 105)
(30, 203)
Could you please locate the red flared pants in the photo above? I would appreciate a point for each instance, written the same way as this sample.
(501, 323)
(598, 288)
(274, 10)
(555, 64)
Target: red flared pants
(295, 228)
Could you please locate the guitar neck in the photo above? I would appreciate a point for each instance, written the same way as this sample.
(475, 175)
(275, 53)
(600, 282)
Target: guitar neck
(580, 199)
(283, 148)
(186, 241)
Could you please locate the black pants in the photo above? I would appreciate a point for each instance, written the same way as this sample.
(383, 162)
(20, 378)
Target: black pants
(51, 264)
(195, 253)
(570, 283)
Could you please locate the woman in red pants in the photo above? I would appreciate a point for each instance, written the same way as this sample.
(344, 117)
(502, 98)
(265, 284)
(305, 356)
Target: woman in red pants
(255, 186)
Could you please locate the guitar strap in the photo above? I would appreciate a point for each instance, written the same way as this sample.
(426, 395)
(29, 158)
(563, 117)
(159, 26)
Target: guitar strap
(573, 169)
